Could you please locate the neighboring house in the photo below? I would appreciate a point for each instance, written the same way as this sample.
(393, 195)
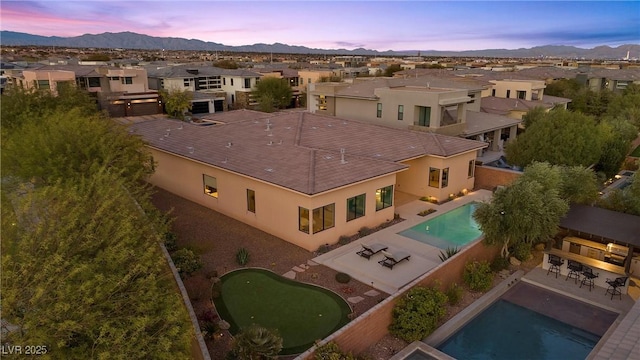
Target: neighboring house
(303, 177)
(449, 106)
(217, 89)
(517, 108)
(292, 78)
(312, 76)
(120, 91)
(614, 80)
(530, 90)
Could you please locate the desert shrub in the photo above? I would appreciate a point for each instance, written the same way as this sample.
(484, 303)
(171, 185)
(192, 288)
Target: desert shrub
(216, 289)
(242, 256)
(186, 261)
(343, 278)
(257, 342)
(499, 263)
(417, 313)
(170, 241)
(477, 275)
(323, 249)
(454, 293)
(331, 351)
(364, 231)
(448, 252)
(344, 240)
(208, 316)
(522, 251)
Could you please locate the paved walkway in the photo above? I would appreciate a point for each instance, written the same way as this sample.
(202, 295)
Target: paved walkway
(423, 257)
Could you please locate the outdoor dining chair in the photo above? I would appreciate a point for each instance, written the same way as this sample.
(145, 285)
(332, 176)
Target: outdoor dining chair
(615, 285)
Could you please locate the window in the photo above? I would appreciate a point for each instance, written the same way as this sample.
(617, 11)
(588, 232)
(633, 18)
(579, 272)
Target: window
(323, 218)
(115, 78)
(384, 197)
(434, 177)
(309, 81)
(303, 219)
(424, 116)
(247, 83)
(355, 207)
(445, 177)
(127, 80)
(379, 111)
(472, 168)
(186, 82)
(322, 104)
(301, 81)
(210, 185)
(508, 94)
(493, 92)
(224, 81)
(521, 94)
(251, 201)
(400, 112)
(94, 82)
(231, 81)
(43, 85)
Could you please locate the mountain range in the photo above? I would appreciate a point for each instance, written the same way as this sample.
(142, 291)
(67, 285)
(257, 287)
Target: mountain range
(130, 40)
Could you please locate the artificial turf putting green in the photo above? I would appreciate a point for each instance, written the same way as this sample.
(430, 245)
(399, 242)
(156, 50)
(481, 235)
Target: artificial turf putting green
(636, 152)
(302, 313)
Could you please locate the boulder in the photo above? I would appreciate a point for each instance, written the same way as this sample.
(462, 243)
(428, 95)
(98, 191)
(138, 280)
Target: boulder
(513, 261)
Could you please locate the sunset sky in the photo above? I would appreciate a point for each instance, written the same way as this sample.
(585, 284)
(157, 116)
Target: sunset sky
(378, 25)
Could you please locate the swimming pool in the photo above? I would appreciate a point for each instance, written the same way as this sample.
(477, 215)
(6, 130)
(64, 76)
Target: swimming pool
(529, 322)
(454, 228)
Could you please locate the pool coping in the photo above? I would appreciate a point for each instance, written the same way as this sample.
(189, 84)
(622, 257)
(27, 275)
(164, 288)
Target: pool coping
(442, 333)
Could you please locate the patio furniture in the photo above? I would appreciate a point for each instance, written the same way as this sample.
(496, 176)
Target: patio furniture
(587, 278)
(370, 250)
(615, 285)
(391, 259)
(575, 268)
(555, 263)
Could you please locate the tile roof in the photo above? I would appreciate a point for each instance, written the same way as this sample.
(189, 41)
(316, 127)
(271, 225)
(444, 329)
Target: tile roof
(366, 88)
(180, 71)
(480, 122)
(298, 150)
(502, 106)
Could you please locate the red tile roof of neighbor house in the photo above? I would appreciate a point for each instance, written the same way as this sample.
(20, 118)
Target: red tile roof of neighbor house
(298, 150)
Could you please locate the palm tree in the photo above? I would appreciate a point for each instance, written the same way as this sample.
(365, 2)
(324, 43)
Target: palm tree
(257, 343)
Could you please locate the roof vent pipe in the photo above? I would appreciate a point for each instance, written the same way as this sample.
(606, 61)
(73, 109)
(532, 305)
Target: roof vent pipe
(342, 160)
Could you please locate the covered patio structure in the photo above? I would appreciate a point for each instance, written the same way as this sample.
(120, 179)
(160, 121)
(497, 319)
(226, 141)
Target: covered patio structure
(605, 226)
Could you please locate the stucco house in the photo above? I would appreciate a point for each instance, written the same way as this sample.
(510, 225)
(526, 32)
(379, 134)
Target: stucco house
(215, 89)
(120, 91)
(306, 178)
(432, 104)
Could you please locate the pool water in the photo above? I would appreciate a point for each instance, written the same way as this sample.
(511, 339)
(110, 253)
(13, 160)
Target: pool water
(509, 331)
(452, 229)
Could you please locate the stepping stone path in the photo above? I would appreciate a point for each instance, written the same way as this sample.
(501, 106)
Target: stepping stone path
(290, 275)
(372, 293)
(355, 299)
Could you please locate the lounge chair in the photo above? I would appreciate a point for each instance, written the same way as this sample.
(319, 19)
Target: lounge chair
(391, 259)
(370, 250)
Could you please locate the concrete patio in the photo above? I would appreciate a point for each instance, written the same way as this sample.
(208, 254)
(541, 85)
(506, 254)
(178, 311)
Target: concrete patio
(424, 257)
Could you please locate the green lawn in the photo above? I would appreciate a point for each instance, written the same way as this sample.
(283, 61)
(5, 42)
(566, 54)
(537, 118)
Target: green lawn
(636, 152)
(302, 313)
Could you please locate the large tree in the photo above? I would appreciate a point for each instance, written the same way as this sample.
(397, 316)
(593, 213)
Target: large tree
(626, 200)
(561, 138)
(273, 93)
(529, 210)
(617, 136)
(177, 102)
(82, 268)
(83, 273)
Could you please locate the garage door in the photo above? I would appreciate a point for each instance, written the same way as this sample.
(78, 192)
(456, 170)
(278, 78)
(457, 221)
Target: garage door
(200, 107)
